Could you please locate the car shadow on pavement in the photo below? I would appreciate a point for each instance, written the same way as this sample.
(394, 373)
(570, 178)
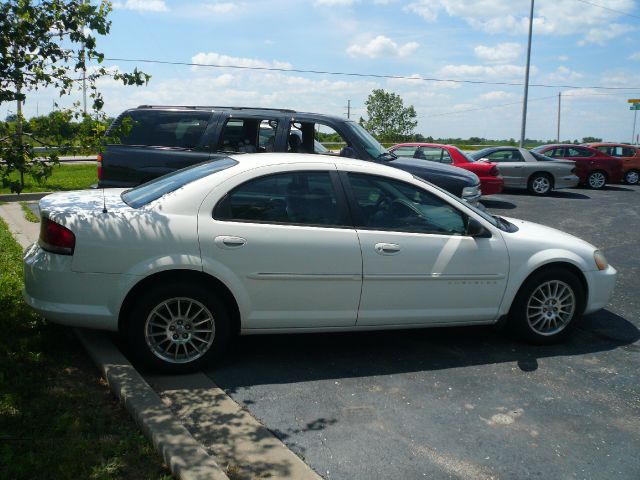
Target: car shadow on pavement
(499, 204)
(274, 359)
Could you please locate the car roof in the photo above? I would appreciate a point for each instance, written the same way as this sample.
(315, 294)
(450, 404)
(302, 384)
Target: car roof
(218, 108)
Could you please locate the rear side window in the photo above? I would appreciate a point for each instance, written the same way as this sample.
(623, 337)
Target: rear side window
(299, 198)
(161, 128)
(150, 191)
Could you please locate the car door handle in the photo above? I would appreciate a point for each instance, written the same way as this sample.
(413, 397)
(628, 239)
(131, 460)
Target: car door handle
(227, 242)
(387, 248)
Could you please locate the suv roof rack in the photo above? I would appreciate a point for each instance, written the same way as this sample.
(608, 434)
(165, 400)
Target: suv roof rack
(210, 107)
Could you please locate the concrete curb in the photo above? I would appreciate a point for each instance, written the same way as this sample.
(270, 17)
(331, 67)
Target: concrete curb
(22, 197)
(186, 458)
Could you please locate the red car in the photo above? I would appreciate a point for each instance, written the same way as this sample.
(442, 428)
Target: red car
(491, 181)
(594, 168)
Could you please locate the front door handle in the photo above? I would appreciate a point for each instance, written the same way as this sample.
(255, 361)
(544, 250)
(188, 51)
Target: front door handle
(387, 248)
(227, 242)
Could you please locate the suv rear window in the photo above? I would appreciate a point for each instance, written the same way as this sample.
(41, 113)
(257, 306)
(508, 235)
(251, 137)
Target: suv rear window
(181, 129)
(150, 191)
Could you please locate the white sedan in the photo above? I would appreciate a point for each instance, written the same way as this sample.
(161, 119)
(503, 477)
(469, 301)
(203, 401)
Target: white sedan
(286, 243)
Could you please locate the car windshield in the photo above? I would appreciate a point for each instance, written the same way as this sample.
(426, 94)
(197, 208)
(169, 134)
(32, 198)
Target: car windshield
(150, 191)
(370, 144)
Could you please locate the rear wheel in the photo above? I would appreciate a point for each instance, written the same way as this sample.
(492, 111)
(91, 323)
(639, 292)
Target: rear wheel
(547, 306)
(177, 328)
(540, 184)
(632, 177)
(597, 180)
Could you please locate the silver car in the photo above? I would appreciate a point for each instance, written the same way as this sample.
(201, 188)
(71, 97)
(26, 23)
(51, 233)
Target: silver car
(522, 168)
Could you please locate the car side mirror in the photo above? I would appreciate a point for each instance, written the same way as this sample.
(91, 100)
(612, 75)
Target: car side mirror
(476, 229)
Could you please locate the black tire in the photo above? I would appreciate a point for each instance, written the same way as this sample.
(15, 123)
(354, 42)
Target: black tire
(596, 180)
(632, 177)
(541, 315)
(540, 184)
(177, 328)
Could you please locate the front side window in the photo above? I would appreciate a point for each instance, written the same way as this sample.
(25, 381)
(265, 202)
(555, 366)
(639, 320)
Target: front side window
(300, 198)
(386, 204)
(505, 156)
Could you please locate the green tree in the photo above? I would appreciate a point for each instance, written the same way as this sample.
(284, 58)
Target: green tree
(591, 140)
(388, 118)
(50, 43)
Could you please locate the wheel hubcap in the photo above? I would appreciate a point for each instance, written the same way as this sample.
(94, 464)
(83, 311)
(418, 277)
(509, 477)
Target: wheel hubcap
(541, 185)
(179, 330)
(551, 307)
(632, 177)
(597, 180)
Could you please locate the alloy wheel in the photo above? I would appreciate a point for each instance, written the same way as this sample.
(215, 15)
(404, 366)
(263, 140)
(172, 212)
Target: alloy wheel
(551, 307)
(597, 180)
(541, 185)
(179, 330)
(632, 177)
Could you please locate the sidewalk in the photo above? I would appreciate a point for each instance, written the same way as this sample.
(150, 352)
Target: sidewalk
(197, 428)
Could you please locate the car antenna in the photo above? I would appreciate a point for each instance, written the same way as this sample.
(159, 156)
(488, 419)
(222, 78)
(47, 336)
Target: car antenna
(104, 202)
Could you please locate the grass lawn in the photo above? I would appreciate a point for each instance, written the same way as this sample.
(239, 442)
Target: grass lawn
(65, 177)
(58, 419)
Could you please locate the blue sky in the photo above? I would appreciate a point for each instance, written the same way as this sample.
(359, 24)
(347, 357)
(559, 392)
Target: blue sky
(575, 43)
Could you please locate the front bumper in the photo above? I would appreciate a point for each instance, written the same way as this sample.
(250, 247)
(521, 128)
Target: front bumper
(601, 284)
(567, 181)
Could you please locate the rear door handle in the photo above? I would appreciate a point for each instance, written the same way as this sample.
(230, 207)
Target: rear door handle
(387, 248)
(227, 242)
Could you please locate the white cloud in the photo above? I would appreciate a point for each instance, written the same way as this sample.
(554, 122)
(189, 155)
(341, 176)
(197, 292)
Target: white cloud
(551, 17)
(333, 3)
(635, 56)
(222, 8)
(563, 58)
(564, 74)
(143, 5)
(501, 53)
(497, 95)
(213, 58)
(479, 72)
(382, 46)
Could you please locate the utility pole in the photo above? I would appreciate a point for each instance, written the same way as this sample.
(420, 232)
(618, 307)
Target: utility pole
(526, 81)
(559, 103)
(349, 109)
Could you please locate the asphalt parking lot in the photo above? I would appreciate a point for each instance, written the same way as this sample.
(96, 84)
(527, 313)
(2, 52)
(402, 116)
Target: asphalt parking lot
(467, 403)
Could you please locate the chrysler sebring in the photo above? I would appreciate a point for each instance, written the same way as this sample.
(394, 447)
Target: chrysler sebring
(284, 243)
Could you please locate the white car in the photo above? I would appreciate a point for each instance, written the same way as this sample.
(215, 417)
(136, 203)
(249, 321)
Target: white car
(287, 243)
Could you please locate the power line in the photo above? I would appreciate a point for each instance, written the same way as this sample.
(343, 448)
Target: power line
(610, 9)
(367, 75)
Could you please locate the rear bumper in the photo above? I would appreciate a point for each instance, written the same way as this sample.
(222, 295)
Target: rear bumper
(52, 289)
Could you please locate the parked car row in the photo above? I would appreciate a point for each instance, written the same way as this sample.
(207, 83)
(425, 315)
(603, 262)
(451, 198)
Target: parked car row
(539, 170)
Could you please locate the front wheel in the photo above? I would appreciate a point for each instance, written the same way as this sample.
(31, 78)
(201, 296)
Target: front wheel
(547, 306)
(632, 177)
(597, 180)
(177, 328)
(540, 184)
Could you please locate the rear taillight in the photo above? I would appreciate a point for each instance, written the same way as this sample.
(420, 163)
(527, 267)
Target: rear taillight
(494, 171)
(56, 238)
(99, 164)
